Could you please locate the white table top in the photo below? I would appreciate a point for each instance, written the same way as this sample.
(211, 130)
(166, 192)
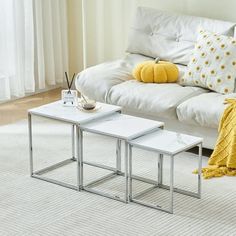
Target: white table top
(57, 111)
(122, 126)
(166, 142)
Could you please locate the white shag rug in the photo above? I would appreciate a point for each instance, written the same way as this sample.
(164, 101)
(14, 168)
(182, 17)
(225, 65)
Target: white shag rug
(32, 207)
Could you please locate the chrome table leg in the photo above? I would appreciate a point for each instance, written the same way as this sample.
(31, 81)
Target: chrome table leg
(80, 175)
(171, 183)
(73, 142)
(118, 156)
(130, 173)
(126, 173)
(160, 169)
(38, 174)
(30, 143)
(199, 170)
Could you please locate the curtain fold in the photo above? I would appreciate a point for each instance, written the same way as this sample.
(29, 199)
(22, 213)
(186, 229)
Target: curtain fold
(33, 45)
(52, 43)
(39, 47)
(17, 48)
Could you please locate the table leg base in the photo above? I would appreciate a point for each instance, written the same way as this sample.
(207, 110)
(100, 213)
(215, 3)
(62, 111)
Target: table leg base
(152, 206)
(158, 186)
(53, 181)
(107, 195)
(181, 191)
(38, 174)
(114, 174)
(54, 166)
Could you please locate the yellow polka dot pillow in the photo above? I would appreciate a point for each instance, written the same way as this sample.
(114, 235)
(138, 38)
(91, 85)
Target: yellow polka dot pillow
(213, 64)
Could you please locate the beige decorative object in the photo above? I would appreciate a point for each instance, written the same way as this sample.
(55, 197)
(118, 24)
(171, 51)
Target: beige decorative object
(213, 64)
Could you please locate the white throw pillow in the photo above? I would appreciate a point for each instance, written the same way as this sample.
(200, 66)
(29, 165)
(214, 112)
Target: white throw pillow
(213, 64)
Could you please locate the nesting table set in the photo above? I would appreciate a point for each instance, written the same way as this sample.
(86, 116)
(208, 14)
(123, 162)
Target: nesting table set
(133, 132)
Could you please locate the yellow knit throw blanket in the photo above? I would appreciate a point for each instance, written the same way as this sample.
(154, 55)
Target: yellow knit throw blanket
(223, 159)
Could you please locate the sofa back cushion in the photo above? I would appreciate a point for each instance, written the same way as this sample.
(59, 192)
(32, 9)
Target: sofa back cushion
(170, 36)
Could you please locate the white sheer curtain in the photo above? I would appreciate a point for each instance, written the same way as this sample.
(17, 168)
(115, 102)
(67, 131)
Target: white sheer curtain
(33, 45)
(16, 48)
(51, 41)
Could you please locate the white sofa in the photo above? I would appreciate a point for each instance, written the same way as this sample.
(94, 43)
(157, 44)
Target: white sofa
(191, 110)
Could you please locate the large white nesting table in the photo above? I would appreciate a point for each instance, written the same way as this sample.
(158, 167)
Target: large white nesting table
(122, 128)
(70, 115)
(166, 143)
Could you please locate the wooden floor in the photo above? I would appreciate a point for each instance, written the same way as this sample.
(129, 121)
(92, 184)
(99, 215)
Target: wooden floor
(13, 111)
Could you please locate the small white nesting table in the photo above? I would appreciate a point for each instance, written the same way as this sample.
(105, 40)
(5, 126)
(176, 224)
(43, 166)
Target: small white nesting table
(133, 131)
(166, 143)
(70, 115)
(122, 128)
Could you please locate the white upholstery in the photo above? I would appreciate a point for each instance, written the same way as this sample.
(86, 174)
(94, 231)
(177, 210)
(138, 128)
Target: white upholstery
(156, 99)
(191, 110)
(204, 110)
(96, 81)
(170, 36)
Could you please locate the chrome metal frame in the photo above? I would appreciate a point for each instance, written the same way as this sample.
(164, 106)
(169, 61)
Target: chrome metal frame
(159, 183)
(76, 142)
(160, 168)
(118, 156)
(116, 171)
(77, 155)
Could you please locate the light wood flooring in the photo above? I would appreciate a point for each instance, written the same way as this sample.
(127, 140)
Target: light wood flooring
(13, 111)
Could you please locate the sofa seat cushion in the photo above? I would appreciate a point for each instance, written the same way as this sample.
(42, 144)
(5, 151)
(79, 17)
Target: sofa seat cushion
(205, 109)
(96, 81)
(155, 99)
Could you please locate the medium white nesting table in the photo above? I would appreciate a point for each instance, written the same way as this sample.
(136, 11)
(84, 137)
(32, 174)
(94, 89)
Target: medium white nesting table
(122, 128)
(166, 143)
(70, 115)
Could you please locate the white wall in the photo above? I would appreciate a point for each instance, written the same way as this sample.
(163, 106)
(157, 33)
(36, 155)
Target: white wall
(108, 23)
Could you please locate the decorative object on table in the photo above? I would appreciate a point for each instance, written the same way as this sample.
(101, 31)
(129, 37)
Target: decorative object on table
(223, 159)
(156, 72)
(86, 104)
(69, 97)
(213, 64)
